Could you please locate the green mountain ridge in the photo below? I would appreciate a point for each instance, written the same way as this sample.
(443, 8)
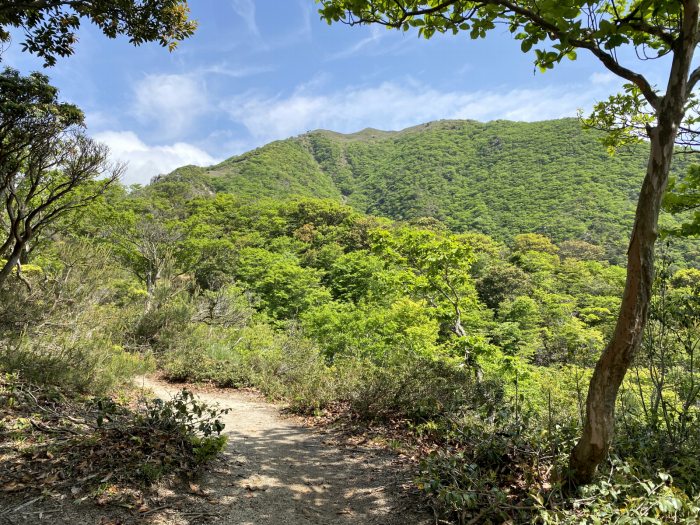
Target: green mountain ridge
(500, 178)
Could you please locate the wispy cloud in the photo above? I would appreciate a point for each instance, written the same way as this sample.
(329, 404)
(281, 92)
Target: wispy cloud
(304, 28)
(146, 161)
(170, 102)
(246, 10)
(604, 78)
(226, 70)
(391, 105)
(376, 44)
(375, 36)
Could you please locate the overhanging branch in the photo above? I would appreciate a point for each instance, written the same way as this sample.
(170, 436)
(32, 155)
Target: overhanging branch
(554, 32)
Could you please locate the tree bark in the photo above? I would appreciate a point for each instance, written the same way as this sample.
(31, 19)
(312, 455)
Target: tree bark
(627, 337)
(617, 357)
(12, 261)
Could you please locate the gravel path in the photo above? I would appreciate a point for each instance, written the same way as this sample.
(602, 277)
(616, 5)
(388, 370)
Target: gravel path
(276, 471)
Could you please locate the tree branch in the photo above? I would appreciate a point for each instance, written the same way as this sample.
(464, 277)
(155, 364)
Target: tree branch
(607, 59)
(555, 33)
(693, 80)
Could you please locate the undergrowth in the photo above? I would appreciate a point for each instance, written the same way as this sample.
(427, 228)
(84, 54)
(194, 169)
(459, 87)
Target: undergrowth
(54, 442)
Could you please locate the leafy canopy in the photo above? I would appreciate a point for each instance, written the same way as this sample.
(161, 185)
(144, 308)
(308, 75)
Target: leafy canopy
(48, 166)
(554, 28)
(50, 25)
(684, 196)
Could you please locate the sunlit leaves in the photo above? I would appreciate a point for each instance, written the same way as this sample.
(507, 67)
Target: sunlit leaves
(684, 196)
(554, 28)
(50, 27)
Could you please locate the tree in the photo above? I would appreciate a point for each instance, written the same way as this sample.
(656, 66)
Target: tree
(146, 245)
(437, 271)
(285, 288)
(50, 25)
(606, 29)
(48, 167)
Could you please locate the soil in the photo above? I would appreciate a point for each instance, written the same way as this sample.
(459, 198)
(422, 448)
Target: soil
(274, 470)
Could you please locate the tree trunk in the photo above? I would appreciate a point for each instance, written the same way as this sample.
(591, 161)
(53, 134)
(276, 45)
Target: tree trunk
(24, 255)
(617, 357)
(612, 366)
(12, 261)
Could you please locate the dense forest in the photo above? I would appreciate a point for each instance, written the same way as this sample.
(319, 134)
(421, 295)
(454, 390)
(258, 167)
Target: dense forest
(499, 178)
(479, 345)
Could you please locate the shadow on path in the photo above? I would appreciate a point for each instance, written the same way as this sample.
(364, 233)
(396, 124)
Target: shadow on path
(275, 471)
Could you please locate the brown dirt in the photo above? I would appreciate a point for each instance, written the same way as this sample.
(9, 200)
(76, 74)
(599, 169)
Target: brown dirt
(274, 471)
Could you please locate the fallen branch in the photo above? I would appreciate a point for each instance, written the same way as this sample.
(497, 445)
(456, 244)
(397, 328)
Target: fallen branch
(23, 505)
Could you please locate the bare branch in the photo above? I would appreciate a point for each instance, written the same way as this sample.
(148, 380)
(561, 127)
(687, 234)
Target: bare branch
(693, 80)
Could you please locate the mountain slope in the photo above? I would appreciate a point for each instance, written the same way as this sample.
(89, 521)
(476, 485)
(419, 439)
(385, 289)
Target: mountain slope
(501, 178)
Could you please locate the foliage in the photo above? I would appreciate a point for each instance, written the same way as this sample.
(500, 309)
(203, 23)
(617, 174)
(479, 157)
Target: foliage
(67, 329)
(330, 310)
(684, 196)
(48, 166)
(499, 178)
(50, 26)
(286, 289)
(624, 497)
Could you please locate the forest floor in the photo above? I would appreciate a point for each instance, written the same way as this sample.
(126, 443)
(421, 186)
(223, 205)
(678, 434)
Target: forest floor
(275, 470)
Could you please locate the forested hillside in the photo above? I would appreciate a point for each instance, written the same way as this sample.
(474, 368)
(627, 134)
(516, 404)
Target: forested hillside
(499, 178)
(475, 348)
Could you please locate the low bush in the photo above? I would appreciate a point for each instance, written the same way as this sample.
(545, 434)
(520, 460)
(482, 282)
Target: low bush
(293, 369)
(58, 442)
(624, 496)
(510, 467)
(83, 365)
(407, 386)
(65, 327)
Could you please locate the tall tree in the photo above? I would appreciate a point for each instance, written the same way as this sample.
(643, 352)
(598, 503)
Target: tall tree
(606, 29)
(48, 167)
(50, 25)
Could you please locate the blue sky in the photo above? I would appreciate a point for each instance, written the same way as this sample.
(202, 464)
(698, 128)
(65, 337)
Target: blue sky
(261, 70)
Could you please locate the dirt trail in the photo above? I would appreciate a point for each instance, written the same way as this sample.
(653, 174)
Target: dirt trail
(276, 471)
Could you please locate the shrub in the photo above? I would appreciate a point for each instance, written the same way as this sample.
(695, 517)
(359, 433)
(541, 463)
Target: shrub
(85, 365)
(204, 354)
(625, 497)
(65, 329)
(406, 387)
(293, 368)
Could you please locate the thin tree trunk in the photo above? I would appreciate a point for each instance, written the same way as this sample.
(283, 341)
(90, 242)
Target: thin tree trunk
(617, 357)
(24, 255)
(12, 261)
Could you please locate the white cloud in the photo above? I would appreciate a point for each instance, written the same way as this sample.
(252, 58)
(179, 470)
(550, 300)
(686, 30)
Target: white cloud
(172, 102)
(374, 37)
(224, 69)
(391, 105)
(380, 41)
(97, 119)
(145, 161)
(246, 10)
(604, 78)
(304, 29)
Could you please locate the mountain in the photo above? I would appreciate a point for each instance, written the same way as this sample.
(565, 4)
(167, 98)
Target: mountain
(501, 178)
